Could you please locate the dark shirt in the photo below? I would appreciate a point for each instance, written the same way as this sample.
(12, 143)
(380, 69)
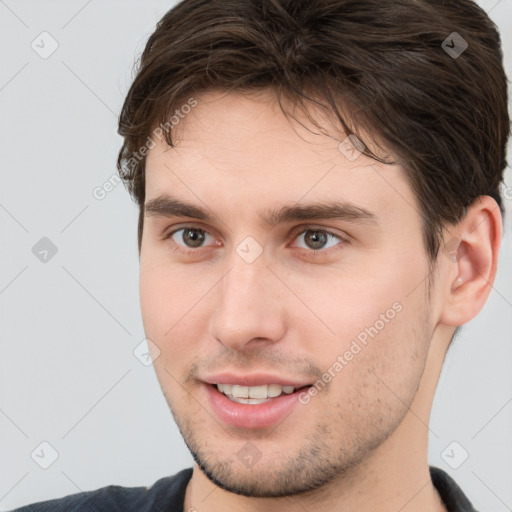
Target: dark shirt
(168, 494)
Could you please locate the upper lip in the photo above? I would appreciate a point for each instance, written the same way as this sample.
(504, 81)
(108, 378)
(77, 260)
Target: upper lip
(254, 379)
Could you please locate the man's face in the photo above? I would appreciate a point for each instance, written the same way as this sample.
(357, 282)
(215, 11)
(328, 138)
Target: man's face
(340, 302)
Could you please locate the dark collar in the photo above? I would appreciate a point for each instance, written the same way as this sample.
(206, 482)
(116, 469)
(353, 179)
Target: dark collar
(453, 498)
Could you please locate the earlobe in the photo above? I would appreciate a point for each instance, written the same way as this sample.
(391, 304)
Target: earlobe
(472, 250)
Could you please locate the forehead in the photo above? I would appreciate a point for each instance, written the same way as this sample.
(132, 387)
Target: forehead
(234, 127)
(240, 148)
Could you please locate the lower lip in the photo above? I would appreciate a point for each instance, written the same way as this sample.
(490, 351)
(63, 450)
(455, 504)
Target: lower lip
(267, 414)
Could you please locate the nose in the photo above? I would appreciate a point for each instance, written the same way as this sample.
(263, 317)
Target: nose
(248, 310)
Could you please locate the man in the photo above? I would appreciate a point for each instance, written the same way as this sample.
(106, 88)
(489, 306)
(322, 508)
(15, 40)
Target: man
(318, 185)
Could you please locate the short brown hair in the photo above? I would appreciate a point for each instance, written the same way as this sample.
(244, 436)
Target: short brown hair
(388, 63)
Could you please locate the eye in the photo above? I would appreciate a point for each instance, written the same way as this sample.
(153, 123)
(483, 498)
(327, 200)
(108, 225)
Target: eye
(189, 237)
(316, 239)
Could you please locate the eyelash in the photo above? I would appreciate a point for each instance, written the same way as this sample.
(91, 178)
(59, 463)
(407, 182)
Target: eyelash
(295, 234)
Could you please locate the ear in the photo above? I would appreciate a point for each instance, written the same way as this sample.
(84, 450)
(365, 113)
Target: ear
(471, 248)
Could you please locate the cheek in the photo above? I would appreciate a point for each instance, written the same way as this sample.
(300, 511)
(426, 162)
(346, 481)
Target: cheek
(164, 291)
(389, 366)
(170, 300)
(362, 301)
(379, 321)
(160, 301)
(376, 381)
(154, 297)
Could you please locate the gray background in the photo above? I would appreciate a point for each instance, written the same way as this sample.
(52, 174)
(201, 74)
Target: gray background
(68, 373)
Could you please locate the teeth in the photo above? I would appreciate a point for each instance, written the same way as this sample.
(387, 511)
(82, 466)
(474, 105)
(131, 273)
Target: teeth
(252, 401)
(258, 393)
(274, 390)
(225, 388)
(240, 391)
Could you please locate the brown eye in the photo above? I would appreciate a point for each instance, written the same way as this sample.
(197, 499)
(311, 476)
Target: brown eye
(315, 239)
(318, 239)
(189, 237)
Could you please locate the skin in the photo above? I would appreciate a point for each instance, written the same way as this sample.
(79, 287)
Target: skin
(361, 443)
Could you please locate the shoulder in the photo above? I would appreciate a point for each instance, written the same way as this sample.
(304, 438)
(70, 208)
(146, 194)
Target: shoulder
(165, 492)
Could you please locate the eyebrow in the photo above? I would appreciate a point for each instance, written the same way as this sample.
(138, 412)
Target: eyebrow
(166, 206)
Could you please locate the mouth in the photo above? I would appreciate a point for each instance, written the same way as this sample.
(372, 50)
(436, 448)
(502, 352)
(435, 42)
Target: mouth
(253, 407)
(255, 395)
